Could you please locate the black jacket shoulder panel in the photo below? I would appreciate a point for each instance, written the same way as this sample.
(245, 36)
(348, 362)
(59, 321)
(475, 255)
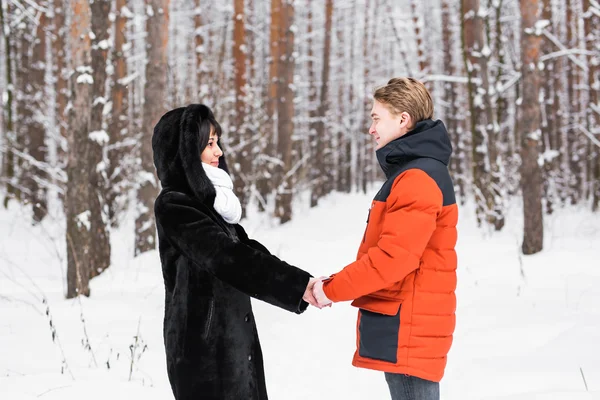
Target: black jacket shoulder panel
(434, 168)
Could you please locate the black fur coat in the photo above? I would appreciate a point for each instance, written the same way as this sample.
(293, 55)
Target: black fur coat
(210, 270)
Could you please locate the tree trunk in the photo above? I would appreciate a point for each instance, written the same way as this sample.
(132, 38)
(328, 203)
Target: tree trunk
(424, 67)
(60, 74)
(592, 44)
(353, 141)
(155, 91)
(450, 93)
(531, 177)
(264, 182)
(550, 132)
(35, 128)
(242, 167)
(118, 124)
(366, 155)
(573, 111)
(485, 174)
(319, 173)
(100, 245)
(339, 141)
(77, 195)
(199, 50)
(8, 170)
(24, 112)
(285, 113)
(313, 139)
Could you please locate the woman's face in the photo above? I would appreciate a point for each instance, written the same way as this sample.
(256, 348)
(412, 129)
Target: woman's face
(211, 153)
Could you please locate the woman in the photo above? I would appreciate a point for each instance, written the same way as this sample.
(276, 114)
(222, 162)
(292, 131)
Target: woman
(211, 267)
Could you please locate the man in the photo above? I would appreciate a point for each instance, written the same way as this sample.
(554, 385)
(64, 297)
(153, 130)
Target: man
(404, 277)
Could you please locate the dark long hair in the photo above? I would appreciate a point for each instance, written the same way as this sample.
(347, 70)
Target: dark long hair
(204, 125)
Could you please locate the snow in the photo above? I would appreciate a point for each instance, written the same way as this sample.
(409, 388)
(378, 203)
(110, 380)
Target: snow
(527, 326)
(126, 12)
(535, 135)
(84, 219)
(541, 25)
(128, 79)
(85, 78)
(104, 44)
(486, 51)
(100, 137)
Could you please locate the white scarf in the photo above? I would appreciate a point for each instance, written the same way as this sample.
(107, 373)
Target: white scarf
(226, 202)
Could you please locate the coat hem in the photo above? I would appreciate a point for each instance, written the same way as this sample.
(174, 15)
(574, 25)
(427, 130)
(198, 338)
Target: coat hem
(396, 369)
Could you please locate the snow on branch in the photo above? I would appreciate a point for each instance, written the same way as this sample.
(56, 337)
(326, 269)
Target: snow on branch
(508, 84)
(589, 134)
(128, 79)
(445, 78)
(558, 44)
(54, 172)
(566, 52)
(26, 12)
(271, 160)
(594, 7)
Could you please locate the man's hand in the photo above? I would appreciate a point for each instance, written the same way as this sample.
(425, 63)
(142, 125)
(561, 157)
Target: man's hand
(319, 295)
(308, 293)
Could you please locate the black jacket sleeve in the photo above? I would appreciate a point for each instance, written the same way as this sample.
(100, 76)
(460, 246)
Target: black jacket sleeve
(203, 241)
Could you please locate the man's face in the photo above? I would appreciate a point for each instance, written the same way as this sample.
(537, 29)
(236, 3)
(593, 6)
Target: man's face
(387, 126)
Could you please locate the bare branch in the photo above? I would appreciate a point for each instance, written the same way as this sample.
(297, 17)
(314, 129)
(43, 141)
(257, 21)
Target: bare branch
(589, 134)
(558, 44)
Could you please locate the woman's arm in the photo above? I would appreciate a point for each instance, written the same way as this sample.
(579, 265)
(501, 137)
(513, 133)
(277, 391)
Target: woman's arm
(251, 271)
(250, 242)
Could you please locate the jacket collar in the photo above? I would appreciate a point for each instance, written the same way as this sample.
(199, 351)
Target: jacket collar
(428, 139)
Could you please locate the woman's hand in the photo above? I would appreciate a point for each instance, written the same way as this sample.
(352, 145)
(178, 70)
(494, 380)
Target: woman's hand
(308, 293)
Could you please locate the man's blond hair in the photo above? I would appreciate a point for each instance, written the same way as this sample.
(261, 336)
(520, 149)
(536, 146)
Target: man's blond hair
(406, 95)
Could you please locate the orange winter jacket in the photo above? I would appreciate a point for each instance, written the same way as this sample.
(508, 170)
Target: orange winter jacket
(404, 277)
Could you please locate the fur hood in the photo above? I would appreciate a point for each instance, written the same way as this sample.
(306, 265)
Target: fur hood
(176, 148)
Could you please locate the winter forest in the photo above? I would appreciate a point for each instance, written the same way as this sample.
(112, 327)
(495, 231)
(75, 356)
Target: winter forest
(83, 83)
(517, 83)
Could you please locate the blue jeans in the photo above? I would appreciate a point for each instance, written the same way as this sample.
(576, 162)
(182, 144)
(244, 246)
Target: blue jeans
(406, 387)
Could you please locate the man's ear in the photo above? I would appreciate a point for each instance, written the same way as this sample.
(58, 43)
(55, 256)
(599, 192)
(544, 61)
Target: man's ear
(405, 120)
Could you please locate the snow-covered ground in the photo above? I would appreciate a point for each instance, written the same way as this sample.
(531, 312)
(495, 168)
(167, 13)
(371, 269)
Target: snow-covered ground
(528, 327)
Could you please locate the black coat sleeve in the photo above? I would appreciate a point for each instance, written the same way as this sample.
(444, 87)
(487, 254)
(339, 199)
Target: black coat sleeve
(203, 241)
(250, 242)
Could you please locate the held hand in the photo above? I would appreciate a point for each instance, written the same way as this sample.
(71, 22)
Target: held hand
(308, 293)
(319, 294)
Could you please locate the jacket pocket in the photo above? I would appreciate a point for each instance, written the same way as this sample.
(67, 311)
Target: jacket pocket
(379, 335)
